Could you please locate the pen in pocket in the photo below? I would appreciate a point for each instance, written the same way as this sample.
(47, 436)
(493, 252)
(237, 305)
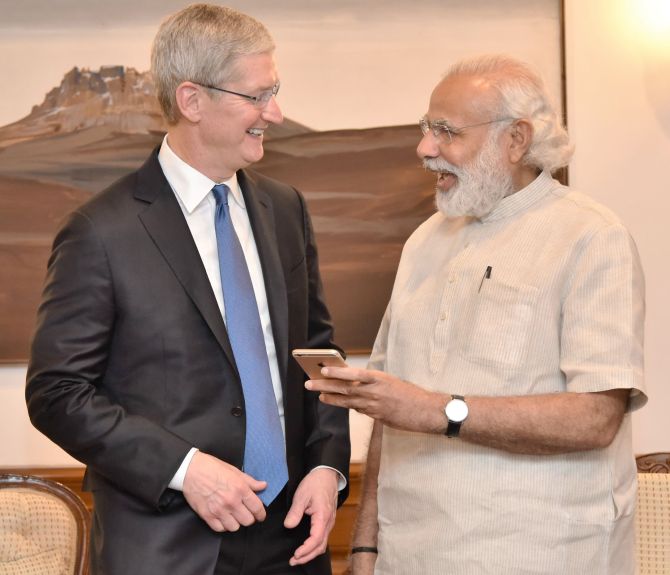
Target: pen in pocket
(487, 275)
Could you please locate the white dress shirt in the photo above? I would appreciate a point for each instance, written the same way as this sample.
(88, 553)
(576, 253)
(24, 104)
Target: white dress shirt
(193, 191)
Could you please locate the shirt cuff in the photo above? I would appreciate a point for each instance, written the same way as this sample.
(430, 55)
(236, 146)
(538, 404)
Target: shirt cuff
(177, 482)
(341, 481)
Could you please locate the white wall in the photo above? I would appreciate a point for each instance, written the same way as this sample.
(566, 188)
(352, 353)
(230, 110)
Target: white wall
(618, 87)
(618, 80)
(20, 443)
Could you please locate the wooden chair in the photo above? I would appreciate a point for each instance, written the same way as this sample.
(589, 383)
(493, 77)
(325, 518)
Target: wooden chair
(43, 528)
(652, 521)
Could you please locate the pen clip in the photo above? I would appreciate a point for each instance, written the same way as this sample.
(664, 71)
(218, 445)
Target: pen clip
(487, 275)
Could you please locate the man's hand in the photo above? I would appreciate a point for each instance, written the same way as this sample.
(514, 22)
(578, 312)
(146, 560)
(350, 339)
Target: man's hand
(383, 397)
(222, 495)
(535, 424)
(316, 496)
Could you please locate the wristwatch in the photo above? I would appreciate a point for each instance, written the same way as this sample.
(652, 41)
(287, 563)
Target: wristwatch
(456, 412)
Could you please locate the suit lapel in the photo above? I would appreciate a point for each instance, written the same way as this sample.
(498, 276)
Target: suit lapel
(165, 223)
(261, 215)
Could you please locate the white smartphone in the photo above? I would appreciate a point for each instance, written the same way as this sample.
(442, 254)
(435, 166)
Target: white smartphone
(312, 360)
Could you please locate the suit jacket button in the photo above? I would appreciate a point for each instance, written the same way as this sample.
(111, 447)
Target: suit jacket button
(237, 411)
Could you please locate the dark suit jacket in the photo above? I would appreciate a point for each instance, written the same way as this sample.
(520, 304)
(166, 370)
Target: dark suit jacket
(131, 364)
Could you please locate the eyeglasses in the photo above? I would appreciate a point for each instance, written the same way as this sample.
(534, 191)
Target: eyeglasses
(259, 101)
(441, 128)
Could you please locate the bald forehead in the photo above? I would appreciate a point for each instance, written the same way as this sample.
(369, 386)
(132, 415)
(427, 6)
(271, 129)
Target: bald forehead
(462, 98)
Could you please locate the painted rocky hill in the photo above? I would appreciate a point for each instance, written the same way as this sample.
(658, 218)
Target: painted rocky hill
(114, 97)
(365, 189)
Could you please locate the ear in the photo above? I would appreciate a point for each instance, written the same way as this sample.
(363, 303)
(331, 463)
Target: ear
(188, 97)
(520, 140)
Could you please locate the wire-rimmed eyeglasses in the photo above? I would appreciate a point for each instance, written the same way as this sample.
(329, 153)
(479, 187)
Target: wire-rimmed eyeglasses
(441, 128)
(259, 101)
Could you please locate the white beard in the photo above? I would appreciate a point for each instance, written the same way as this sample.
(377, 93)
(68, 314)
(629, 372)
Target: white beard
(480, 185)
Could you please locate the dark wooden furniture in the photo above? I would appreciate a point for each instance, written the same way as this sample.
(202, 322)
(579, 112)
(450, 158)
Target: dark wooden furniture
(653, 463)
(340, 537)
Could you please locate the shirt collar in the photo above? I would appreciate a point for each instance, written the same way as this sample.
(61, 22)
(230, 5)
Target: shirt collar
(523, 199)
(190, 185)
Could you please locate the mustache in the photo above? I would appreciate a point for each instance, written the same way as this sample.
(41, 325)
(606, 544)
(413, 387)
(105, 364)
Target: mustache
(440, 165)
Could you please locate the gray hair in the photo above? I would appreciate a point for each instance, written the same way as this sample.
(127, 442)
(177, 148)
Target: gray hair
(201, 43)
(521, 94)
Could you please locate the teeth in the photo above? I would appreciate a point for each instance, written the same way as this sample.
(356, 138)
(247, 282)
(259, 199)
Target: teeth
(255, 131)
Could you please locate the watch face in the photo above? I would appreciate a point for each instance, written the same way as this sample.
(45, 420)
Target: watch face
(456, 410)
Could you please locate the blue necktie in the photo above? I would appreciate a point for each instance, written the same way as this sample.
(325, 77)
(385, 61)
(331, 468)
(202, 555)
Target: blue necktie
(264, 449)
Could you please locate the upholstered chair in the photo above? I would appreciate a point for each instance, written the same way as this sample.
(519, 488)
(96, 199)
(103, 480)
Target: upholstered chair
(43, 528)
(652, 522)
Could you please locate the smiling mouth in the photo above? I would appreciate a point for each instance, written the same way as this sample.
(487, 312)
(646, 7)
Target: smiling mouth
(445, 180)
(256, 131)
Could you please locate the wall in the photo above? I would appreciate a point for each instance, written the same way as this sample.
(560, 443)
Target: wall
(21, 445)
(618, 80)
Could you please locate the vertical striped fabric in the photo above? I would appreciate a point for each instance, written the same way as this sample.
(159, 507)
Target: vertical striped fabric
(562, 310)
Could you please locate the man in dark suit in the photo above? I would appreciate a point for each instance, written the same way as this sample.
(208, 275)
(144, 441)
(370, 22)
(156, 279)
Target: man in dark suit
(143, 366)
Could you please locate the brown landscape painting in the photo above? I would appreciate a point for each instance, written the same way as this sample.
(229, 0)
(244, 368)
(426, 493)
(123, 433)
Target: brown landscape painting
(365, 188)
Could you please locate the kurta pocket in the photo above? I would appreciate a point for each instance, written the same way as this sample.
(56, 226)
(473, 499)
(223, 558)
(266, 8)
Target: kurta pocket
(497, 326)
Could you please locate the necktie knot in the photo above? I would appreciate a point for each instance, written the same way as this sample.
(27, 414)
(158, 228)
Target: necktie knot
(220, 192)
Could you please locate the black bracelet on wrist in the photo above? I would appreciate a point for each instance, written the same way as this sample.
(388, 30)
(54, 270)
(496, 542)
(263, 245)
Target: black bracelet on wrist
(364, 550)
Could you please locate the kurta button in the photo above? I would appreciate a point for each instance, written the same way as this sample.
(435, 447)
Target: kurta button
(452, 278)
(237, 411)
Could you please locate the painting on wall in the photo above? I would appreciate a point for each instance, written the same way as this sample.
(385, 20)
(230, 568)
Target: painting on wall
(79, 112)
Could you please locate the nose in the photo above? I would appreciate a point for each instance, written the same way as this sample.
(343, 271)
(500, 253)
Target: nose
(272, 113)
(428, 147)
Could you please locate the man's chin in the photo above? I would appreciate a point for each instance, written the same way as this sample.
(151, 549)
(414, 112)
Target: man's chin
(444, 201)
(447, 203)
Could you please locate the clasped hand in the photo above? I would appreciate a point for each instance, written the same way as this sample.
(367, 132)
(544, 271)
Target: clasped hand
(222, 495)
(225, 498)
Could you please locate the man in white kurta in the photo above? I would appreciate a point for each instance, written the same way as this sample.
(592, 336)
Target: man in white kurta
(532, 308)
(562, 314)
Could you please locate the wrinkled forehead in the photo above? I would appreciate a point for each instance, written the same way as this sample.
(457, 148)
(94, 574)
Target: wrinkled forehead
(461, 99)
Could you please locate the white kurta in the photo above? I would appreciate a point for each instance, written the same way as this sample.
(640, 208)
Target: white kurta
(562, 310)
